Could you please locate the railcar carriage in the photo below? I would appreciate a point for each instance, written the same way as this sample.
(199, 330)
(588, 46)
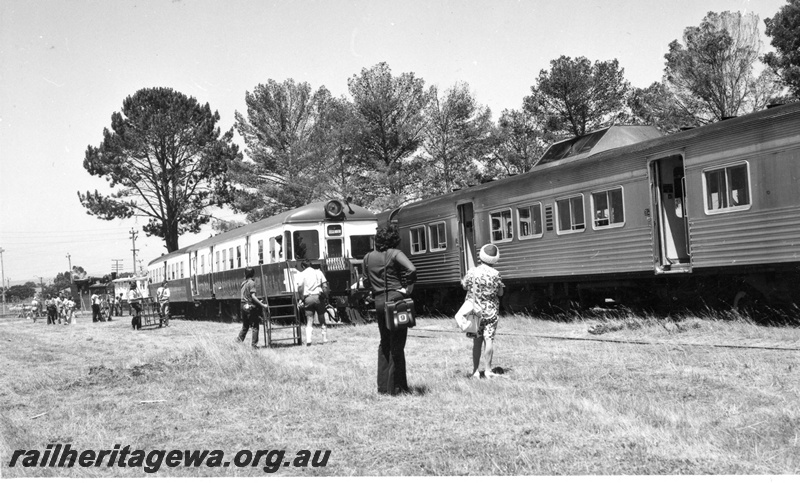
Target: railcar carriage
(205, 278)
(707, 217)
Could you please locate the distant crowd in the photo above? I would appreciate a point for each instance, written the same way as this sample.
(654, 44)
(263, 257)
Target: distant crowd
(61, 309)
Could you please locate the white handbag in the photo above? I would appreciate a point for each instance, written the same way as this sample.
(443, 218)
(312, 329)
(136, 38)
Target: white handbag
(468, 317)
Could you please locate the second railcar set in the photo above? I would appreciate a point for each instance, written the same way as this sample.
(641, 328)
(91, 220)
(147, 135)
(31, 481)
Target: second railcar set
(703, 217)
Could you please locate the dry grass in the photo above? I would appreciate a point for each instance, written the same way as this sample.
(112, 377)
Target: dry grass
(569, 405)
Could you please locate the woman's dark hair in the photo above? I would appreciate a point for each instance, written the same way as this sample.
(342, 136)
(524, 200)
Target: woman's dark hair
(386, 237)
(249, 272)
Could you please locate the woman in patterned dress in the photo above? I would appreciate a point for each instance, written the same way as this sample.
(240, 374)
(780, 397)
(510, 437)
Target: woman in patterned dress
(484, 288)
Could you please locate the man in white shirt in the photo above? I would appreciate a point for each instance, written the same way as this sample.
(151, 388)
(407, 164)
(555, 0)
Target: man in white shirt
(162, 294)
(95, 307)
(312, 291)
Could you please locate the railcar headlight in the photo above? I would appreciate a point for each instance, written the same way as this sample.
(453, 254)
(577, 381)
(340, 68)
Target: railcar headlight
(334, 210)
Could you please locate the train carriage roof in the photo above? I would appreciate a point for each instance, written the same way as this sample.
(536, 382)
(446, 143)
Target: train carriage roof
(310, 213)
(604, 153)
(598, 141)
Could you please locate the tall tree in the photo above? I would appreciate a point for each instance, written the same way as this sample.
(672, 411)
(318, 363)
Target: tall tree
(456, 131)
(516, 144)
(284, 134)
(784, 28)
(169, 159)
(657, 106)
(576, 96)
(712, 75)
(344, 172)
(390, 121)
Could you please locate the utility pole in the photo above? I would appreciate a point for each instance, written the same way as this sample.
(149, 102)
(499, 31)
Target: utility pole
(134, 250)
(3, 276)
(69, 262)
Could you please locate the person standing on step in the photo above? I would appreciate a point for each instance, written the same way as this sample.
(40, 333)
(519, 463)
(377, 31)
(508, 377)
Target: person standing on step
(162, 294)
(251, 307)
(312, 291)
(387, 269)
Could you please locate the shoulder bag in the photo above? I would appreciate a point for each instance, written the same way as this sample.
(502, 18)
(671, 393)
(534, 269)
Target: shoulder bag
(400, 313)
(468, 317)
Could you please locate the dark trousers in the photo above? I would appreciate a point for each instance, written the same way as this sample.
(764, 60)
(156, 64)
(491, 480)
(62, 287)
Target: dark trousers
(391, 351)
(250, 319)
(136, 320)
(95, 313)
(52, 315)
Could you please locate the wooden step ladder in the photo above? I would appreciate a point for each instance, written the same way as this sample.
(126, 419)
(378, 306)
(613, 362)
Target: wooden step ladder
(283, 317)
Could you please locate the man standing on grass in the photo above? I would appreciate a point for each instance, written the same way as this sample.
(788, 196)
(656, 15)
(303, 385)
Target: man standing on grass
(312, 291)
(60, 307)
(162, 294)
(251, 307)
(52, 313)
(95, 306)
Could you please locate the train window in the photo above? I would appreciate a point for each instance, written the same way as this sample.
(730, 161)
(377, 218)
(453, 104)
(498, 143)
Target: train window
(438, 236)
(569, 213)
(529, 221)
(230, 257)
(727, 188)
(607, 209)
(335, 247)
(418, 241)
(501, 226)
(202, 264)
(361, 245)
(260, 252)
(239, 256)
(306, 244)
(181, 269)
(217, 260)
(224, 259)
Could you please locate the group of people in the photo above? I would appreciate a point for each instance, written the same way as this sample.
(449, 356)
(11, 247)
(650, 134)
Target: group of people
(135, 298)
(312, 295)
(390, 277)
(60, 309)
(105, 306)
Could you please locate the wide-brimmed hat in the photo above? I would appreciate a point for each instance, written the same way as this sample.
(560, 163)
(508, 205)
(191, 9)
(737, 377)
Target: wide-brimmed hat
(490, 254)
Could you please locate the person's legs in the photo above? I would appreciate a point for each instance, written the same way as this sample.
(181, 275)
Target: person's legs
(488, 353)
(477, 345)
(385, 360)
(245, 325)
(399, 338)
(309, 324)
(255, 322)
(320, 311)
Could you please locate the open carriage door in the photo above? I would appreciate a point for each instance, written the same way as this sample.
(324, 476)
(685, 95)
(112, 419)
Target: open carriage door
(672, 253)
(193, 273)
(466, 236)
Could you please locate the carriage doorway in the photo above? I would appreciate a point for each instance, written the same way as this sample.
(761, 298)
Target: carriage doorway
(672, 252)
(466, 236)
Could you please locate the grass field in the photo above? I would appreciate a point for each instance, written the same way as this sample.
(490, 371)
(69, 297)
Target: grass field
(701, 396)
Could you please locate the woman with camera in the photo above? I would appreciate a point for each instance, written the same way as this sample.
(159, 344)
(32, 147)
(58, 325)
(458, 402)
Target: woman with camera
(387, 269)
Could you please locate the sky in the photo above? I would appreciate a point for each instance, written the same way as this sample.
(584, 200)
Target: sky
(67, 65)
